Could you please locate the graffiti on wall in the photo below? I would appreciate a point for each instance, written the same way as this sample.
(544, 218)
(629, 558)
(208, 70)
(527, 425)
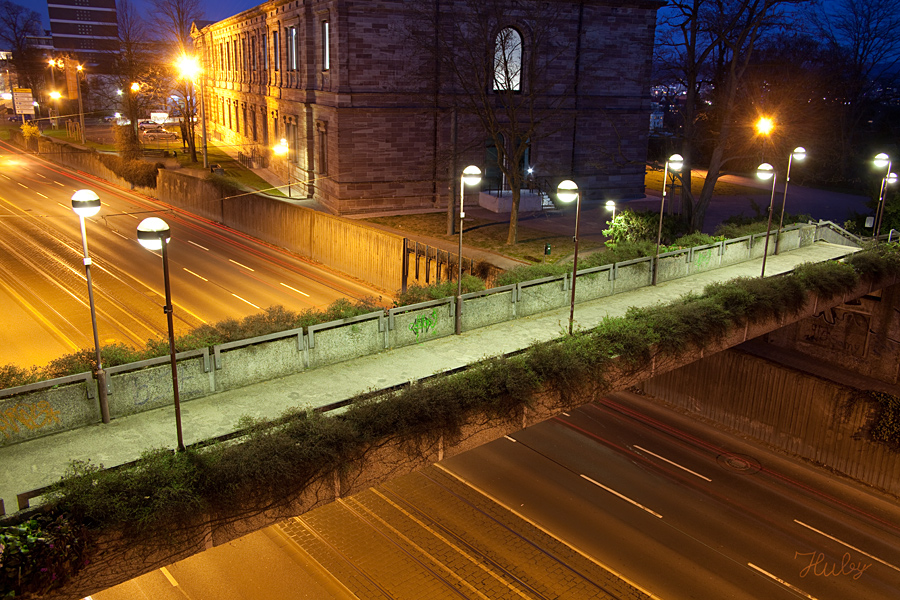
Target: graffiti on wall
(30, 416)
(703, 258)
(423, 324)
(836, 329)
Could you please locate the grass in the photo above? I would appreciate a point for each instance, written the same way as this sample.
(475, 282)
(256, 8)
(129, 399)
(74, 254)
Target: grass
(654, 180)
(234, 170)
(491, 235)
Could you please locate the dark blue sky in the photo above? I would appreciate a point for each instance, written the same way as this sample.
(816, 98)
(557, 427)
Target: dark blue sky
(215, 10)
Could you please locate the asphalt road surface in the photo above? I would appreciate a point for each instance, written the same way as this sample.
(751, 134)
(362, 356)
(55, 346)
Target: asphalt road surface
(620, 490)
(216, 273)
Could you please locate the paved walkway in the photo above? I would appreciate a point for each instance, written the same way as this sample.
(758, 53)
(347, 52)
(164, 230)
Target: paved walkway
(40, 462)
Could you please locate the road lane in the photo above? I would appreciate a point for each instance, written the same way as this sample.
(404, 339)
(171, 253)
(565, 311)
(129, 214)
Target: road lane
(216, 273)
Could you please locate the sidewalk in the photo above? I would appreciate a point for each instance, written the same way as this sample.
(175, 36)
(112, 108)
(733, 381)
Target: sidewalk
(40, 462)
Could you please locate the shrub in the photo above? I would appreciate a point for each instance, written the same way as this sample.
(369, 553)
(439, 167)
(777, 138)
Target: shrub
(37, 555)
(642, 225)
(436, 291)
(134, 171)
(887, 424)
(827, 279)
(13, 376)
(696, 239)
(531, 272)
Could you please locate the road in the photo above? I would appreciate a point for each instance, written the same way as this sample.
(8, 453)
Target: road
(619, 487)
(216, 273)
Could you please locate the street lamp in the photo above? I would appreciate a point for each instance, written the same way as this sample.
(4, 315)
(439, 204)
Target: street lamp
(54, 95)
(471, 175)
(80, 102)
(675, 162)
(881, 161)
(611, 206)
(765, 172)
(190, 69)
(765, 125)
(567, 191)
(281, 149)
(799, 153)
(153, 233)
(86, 203)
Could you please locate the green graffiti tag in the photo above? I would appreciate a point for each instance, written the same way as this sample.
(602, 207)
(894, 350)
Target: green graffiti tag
(424, 323)
(702, 259)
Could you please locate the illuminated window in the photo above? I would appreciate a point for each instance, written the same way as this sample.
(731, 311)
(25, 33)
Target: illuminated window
(508, 61)
(326, 46)
(292, 48)
(276, 51)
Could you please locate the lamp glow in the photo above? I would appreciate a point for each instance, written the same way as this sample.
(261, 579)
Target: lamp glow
(85, 203)
(151, 232)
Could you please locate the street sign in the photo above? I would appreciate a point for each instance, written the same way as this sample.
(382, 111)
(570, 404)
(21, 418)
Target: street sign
(23, 101)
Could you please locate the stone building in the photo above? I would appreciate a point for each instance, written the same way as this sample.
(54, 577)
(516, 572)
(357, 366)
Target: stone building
(367, 105)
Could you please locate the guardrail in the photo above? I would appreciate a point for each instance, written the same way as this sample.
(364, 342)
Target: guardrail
(71, 402)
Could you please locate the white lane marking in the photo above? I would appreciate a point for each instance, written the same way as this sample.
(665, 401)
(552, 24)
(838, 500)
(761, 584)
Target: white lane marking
(3, 176)
(567, 414)
(247, 301)
(168, 575)
(674, 464)
(843, 543)
(63, 205)
(781, 581)
(198, 245)
(295, 289)
(240, 265)
(23, 185)
(194, 274)
(120, 235)
(132, 216)
(510, 439)
(42, 196)
(58, 183)
(622, 496)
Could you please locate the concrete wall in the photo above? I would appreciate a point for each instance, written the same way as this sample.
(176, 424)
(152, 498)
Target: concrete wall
(794, 412)
(363, 252)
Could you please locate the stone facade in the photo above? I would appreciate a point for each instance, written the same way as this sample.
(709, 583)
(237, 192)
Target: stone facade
(365, 129)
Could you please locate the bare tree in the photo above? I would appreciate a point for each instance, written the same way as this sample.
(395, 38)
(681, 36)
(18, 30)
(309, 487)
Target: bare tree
(707, 46)
(17, 23)
(138, 74)
(498, 61)
(174, 19)
(863, 37)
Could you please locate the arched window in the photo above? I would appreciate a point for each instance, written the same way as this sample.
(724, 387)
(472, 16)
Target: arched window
(508, 61)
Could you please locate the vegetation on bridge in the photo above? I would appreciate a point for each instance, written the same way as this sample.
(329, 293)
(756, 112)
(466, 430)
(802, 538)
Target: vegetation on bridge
(163, 494)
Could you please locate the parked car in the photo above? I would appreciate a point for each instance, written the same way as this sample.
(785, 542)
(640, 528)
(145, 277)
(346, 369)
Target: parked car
(159, 133)
(144, 125)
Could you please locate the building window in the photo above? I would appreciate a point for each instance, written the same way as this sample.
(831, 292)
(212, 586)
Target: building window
(292, 48)
(227, 56)
(264, 48)
(322, 147)
(253, 53)
(276, 51)
(236, 55)
(326, 46)
(508, 61)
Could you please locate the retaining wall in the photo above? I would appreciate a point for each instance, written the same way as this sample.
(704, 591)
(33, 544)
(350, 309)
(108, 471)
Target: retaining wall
(801, 414)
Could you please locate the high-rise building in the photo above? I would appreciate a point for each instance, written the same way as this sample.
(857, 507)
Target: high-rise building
(85, 29)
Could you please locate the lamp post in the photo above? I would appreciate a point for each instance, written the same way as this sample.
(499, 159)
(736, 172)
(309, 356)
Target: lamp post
(281, 149)
(765, 172)
(153, 233)
(86, 203)
(799, 153)
(881, 161)
(79, 77)
(54, 95)
(190, 69)
(611, 206)
(567, 191)
(471, 175)
(675, 162)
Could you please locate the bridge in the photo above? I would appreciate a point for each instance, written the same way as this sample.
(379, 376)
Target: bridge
(35, 463)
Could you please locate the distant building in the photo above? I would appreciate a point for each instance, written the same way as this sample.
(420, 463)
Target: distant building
(87, 30)
(364, 129)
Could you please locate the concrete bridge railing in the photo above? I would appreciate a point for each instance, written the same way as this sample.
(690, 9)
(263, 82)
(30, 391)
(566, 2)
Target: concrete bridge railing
(71, 402)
